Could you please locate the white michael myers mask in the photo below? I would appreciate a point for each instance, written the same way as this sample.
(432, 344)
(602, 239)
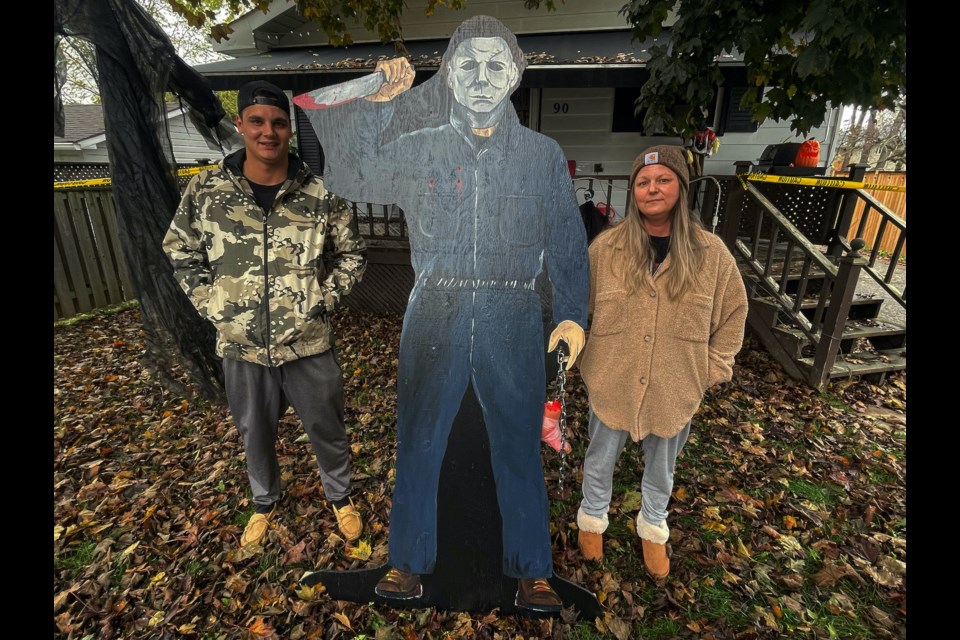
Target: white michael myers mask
(481, 73)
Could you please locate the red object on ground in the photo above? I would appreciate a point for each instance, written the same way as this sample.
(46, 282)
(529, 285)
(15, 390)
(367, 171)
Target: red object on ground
(550, 429)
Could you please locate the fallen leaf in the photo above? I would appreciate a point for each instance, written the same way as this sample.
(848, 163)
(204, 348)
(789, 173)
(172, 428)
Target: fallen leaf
(261, 627)
(360, 552)
(828, 576)
(344, 620)
(618, 627)
(631, 501)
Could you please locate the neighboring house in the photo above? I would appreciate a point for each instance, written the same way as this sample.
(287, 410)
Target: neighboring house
(85, 139)
(583, 76)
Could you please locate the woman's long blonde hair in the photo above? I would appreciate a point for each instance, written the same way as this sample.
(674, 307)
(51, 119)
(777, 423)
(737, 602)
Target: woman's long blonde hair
(635, 251)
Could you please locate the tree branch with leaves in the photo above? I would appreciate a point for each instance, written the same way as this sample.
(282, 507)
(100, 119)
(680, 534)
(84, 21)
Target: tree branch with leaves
(803, 56)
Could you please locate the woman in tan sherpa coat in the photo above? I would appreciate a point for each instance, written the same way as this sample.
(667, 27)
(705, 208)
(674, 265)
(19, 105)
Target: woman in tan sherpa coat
(668, 307)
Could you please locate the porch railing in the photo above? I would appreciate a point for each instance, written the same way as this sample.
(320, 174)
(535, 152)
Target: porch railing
(800, 261)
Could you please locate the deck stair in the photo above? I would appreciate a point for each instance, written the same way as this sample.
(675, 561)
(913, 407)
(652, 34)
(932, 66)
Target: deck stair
(802, 282)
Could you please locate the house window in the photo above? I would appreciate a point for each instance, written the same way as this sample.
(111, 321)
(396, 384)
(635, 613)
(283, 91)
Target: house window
(521, 102)
(735, 119)
(624, 103)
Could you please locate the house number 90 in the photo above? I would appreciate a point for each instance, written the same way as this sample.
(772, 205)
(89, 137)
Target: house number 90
(561, 107)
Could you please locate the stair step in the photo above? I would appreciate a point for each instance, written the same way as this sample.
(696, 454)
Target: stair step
(814, 282)
(882, 336)
(863, 363)
(862, 307)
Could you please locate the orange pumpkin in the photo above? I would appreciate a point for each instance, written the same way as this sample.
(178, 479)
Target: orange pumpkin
(808, 155)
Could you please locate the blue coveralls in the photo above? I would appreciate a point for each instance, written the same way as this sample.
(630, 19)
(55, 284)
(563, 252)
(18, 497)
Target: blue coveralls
(485, 217)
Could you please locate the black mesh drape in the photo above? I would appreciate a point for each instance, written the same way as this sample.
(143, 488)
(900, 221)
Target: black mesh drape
(136, 64)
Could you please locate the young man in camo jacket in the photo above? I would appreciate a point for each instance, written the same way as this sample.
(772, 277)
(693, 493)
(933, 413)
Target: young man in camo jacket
(265, 253)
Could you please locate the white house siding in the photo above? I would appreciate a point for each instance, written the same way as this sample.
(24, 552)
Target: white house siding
(580, 120)
(749, 146)
(584, 133)
(188, 146)
(96, 154)
(573, 15)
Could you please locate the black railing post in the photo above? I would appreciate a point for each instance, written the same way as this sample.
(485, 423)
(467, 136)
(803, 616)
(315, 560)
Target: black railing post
(731, 217)
(848, 204)
(841, 299)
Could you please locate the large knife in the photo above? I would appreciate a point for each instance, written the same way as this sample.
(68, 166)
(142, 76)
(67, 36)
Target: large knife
(342, 93)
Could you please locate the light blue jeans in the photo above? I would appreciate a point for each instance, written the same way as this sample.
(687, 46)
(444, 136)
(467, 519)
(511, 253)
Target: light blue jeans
(659, 462)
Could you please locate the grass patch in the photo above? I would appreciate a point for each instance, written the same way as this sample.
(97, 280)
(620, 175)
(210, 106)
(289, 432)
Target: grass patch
(195, 569)
(880, 476)
(836, 401)
(96, 313)
(78, 559)
(816, 493)
(840, 625)
(118, 570)
(660, 629)
(241, 518)
(898, 528)
(585, 631)
(717, 606)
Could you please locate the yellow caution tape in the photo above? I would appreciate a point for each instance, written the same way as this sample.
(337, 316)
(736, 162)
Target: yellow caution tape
(96, 182)
(189, 171)
(102, 182)
(835, 183)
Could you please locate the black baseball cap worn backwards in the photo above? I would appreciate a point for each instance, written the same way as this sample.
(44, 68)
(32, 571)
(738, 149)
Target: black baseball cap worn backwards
(262, 92)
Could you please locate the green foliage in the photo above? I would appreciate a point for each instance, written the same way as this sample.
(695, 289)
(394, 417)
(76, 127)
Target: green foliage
(382, 17)
(806, 53)
(78, 559)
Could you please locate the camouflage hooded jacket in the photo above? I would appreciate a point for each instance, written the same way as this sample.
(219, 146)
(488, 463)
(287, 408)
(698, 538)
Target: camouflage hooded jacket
(266, 282)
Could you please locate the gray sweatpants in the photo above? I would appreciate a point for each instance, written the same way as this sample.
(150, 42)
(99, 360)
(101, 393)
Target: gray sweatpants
(258, 396)
(659, 462)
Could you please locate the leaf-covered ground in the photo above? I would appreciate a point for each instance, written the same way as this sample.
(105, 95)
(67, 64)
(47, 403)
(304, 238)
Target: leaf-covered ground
(788, 517)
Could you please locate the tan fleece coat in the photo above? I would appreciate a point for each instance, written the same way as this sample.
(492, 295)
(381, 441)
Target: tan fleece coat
(649, 359)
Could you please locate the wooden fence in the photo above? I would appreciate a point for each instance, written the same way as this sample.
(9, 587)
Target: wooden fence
(88, 266)
(893, 200)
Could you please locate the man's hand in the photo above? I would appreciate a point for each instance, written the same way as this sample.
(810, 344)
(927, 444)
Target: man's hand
(571, 333)
(398, 74)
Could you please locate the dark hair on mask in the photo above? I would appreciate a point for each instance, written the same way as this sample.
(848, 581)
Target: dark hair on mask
(483, 27)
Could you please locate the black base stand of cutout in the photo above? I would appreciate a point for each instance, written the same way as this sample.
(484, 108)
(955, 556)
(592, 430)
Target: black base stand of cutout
(469, 571)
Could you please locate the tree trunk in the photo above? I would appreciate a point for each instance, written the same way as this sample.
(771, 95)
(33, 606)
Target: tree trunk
(869, 137)
(136, 63)
(852, 139)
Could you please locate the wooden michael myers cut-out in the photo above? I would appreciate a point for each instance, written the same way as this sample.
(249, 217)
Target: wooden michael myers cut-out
(490, 207)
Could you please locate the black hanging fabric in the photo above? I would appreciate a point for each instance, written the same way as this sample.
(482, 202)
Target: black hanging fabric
(136, 64)
(593, 219)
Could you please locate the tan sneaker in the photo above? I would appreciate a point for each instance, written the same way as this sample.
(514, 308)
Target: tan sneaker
(256, 529)
(349, 521)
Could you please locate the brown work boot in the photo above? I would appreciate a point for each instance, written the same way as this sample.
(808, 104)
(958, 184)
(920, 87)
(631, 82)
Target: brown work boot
(536, 594)
(656, 548)
(256, 529)
(399, 585)
(590, 535)
(349, 521)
